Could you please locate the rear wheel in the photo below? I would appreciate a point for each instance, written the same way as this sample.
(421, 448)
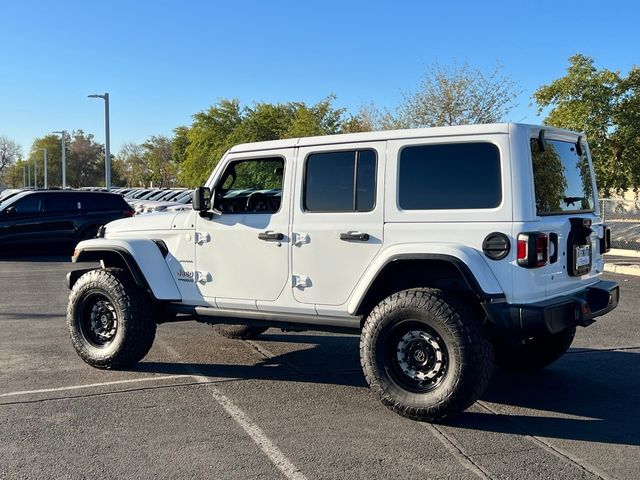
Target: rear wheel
(535, 354)
(242, 332)
(108, 319)
(426, 354)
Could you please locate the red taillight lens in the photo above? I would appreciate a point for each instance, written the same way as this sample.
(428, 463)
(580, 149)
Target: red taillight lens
(533, 249)
(542, 249)
(522, 249)
(127, 213)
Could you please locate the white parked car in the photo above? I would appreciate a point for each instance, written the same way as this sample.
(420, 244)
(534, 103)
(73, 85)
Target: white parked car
(445, 249)
(182, 199)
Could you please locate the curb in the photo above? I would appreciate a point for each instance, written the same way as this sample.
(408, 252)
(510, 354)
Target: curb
(624, 269)
(619, 252)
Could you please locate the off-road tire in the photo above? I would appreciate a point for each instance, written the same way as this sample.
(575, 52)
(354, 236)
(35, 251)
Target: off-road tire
(456, 325)
(534, 355)
(241, 332)
(110, 292)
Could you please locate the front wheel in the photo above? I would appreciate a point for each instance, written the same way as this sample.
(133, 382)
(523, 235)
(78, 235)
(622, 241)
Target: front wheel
(426, 354)
(108, 319)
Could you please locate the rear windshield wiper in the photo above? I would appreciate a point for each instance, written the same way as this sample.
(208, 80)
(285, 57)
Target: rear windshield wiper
(571, 201)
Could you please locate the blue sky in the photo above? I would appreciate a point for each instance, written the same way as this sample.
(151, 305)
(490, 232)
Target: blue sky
(162, 61)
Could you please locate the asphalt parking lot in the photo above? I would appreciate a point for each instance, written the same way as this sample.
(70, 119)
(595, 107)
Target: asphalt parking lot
(294, 405)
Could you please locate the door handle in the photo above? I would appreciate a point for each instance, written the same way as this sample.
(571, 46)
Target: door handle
(354, 237)
(269, 236)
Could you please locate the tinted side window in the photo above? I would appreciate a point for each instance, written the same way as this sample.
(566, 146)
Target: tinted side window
(562, 178)
(62, 203)
(451, 176)
(102, 201)
(28, 204)
(340, 181)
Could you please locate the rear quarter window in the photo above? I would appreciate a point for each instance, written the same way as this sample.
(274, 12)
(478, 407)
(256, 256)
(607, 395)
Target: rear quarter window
(562, 178)
(449, 176)
(62, 203)
(100, 202)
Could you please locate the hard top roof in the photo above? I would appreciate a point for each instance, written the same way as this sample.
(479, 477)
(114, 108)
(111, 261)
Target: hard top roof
(458, 130)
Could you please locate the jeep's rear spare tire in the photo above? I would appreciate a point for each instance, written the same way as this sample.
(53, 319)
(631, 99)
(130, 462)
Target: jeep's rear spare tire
(426, 354)
(109, 319)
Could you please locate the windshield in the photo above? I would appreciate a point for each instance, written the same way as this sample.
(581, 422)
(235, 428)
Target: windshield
(562, 177)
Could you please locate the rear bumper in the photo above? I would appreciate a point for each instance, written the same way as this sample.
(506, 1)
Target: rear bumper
(517, 322)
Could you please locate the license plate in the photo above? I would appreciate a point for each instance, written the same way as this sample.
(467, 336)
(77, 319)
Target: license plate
(583, 256)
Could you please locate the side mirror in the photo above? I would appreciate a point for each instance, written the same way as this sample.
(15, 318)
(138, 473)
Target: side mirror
(201, 201)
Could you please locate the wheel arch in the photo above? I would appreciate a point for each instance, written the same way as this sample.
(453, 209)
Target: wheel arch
(143, 259)
(463, 273)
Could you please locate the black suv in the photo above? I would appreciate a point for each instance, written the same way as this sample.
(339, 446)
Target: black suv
(56, 218)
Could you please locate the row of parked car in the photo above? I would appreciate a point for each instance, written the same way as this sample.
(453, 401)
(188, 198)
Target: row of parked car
(150, 200)
(41, 221)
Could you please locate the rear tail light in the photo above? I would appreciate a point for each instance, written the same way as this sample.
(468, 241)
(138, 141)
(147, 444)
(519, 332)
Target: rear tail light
(128, 213)
(533, 249)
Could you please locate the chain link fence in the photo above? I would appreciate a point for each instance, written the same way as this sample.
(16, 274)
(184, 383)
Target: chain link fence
(623, 216)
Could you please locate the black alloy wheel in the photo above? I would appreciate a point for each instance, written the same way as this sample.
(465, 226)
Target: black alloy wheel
(98, 319)
(417, 356)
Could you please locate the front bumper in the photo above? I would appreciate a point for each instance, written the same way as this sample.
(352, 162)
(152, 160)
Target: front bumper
(518, 322)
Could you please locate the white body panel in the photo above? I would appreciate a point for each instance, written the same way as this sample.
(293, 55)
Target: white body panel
(235, 267)
(149, 259)
(230, 267)
(326, 268)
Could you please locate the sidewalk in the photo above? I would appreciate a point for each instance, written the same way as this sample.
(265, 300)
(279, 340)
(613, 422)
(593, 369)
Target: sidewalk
(625, 262)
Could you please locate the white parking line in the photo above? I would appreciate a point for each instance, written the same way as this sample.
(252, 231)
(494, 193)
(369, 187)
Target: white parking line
(282, 463)
(89, 385)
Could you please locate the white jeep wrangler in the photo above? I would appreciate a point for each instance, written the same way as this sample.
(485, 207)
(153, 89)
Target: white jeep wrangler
(445, 249)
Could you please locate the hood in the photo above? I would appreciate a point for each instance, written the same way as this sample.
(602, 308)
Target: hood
(159, 221)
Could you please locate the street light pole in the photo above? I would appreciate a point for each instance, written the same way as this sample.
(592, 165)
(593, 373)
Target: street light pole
(63, 133)
(107, 152)
(46, 185)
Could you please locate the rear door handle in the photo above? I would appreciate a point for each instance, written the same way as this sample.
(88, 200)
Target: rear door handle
(354, 237)
(269, 236)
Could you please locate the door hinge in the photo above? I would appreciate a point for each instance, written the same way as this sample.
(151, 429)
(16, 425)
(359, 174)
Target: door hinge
(201, 238)
(301, 281)
(203, 277)
(300, 239)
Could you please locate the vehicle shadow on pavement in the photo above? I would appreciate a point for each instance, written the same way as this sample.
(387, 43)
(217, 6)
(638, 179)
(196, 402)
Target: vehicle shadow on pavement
(588, 395)
(313, 358)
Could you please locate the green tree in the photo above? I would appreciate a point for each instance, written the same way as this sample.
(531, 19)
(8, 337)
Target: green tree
(455, 95)
(180, 143)
(606, 106)
(158, 157)
(226, 124)
(208, 139)
(54, 159)
(367, 119)
(85, 161)
(14, 176)
(131, 167)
